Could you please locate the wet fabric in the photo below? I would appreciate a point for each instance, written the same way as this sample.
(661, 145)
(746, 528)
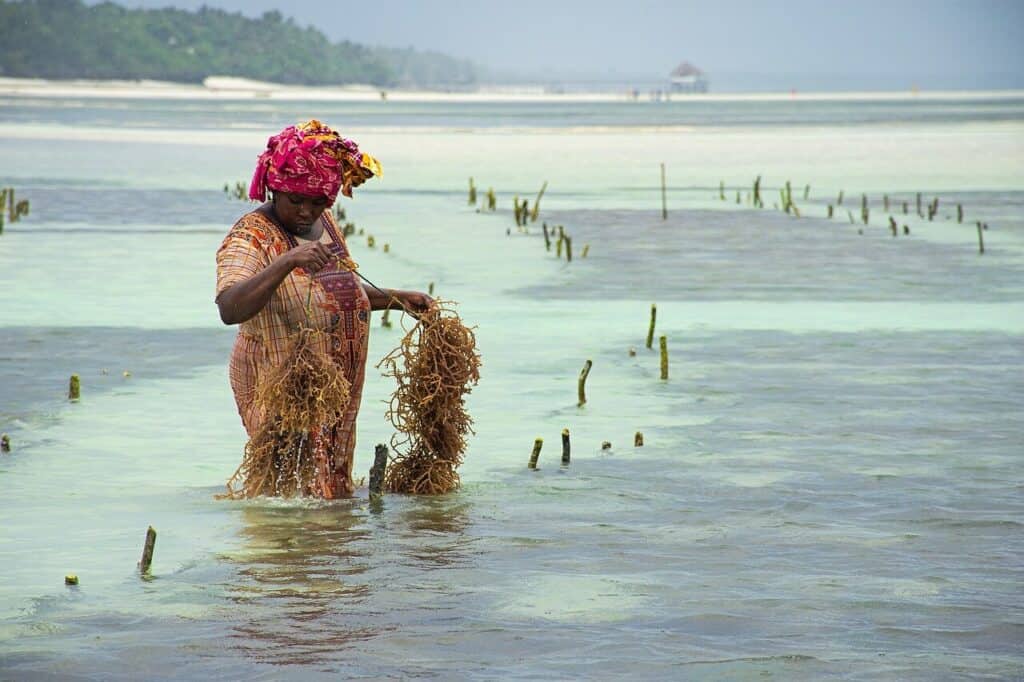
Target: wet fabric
(338, 306)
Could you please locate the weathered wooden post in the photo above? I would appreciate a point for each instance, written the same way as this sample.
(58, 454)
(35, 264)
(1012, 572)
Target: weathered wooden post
(74, 388)
(885, 203)
(738, 201)
(515, 202)
(807, 191)
(547, 238)
(147, 551)
(789, 196)
(535, 455)
(379, 468)
(384, 321)
(981, 240)
(650, 329)
(721, 190)
(933, 208)
(472, 193)
(830, 211)
(906, 208)
(568, 249)
(864, 213)
(663, 341)
(387, 247)
(839, 199)
(492, 199)
(581, 384)
(536, 204)
(558, 245)
(565, 446)
(919, 213)
(370, 241)
(892, 226)
(5, 443)
(664, 204)
(430, 289)
(586, 250)
(959, 213)
(757, 193)
(638, 440)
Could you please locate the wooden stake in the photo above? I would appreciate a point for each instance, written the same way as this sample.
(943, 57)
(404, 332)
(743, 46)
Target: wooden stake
(650, 329)
(547, 238)
(147, 551)
(387, 247)
(582, 383)
(919, 214)
(535, 455)
(664, 205)
(558, 246)
(536, 204)
(959, 213)
(981, 240)
(864, 213)
(371, 242)
(565, 446)
(757, 193)
(384, 321)
(807, 191)
(663, 342)
(568, 249)
(379, 468)
(586, 250)
(472, 193)
(492, 200)
(430, 289)
(638, 440)
(892, 226)
(721, 190)
(74, 388)
(839, 200)
(5, 443)
(830, 211)
(885, 203)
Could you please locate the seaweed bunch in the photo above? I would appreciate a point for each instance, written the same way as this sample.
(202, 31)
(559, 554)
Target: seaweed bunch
(435, 365)
(304, 393)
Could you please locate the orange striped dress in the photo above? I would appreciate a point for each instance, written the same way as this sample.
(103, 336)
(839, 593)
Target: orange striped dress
(339, 306)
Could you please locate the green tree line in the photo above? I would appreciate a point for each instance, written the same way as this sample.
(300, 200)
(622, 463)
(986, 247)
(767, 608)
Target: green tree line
(68, 39)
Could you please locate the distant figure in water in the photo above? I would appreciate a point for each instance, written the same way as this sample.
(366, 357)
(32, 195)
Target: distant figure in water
(287, 252)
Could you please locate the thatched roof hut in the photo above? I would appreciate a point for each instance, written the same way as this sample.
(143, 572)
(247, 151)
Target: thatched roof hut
(688, 78)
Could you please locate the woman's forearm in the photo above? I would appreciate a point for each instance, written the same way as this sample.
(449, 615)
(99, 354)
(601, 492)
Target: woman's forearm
(243, 300)
(383, 298)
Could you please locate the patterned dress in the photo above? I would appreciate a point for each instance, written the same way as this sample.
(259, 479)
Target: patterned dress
(339, 306)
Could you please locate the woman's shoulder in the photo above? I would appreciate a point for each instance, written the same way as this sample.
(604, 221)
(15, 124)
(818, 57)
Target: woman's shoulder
(256, 229)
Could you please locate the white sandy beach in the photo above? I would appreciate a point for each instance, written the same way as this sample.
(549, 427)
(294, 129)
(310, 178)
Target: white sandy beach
(230, 88)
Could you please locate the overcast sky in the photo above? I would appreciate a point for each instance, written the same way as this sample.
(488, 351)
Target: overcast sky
(894, 43)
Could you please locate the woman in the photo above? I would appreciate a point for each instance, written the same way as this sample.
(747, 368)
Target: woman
(282, 266)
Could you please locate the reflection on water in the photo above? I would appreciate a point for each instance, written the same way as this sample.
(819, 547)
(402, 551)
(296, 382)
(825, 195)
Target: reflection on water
(314, 580)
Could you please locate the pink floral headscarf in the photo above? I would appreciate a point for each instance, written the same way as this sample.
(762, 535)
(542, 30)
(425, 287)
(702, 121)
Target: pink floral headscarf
(310, 159)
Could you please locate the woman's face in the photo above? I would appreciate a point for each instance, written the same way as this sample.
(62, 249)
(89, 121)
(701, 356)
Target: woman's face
(297, 212)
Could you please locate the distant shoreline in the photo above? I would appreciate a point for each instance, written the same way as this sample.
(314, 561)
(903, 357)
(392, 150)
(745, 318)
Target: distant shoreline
(227, 88)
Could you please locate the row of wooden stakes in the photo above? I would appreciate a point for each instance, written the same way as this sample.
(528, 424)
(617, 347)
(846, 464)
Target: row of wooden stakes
(538, 444)
(924, 210)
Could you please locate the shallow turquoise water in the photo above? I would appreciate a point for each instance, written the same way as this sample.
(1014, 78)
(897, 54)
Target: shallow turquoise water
(830, 485)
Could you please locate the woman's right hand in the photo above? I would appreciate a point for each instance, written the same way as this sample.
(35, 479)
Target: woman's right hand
(310, 256)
